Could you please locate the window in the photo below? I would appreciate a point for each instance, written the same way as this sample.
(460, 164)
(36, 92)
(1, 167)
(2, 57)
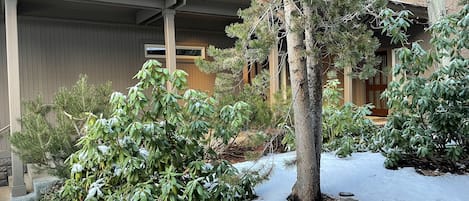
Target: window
(182, 52)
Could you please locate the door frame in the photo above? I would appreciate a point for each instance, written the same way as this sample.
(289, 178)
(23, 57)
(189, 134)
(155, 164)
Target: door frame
(383, 110)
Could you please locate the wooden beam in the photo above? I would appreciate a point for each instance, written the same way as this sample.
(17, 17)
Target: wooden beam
(143, 4)
(246, 74)
(274, 74)
(150, 16)
(18, 187)
(222, 11)
(283, 77)
(214, 7)
(169, 3)
(418, 11)
(143, 16)
(170, 40)
(348, 85)
(436, 10)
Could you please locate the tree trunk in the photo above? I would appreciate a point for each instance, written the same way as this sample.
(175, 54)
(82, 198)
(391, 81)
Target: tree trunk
(314, 72)
(306, 187)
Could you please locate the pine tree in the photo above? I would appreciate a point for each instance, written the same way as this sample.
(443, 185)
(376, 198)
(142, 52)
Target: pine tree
(50, 131)
(312, 29)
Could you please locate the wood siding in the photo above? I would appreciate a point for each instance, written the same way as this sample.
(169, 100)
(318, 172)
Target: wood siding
(54, 52)
(4, 117)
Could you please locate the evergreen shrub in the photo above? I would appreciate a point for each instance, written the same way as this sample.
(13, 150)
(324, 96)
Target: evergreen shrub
(49, 131)
(155, 145)
(430, 114)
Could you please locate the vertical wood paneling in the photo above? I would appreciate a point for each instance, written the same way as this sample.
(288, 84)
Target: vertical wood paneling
(197, 79)
(61, 50)
(3, 88)
(54, 52)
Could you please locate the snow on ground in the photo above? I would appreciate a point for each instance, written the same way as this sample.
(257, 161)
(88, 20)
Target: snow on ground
(364, 175)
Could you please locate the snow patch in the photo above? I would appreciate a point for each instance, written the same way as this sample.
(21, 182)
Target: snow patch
(364, 175)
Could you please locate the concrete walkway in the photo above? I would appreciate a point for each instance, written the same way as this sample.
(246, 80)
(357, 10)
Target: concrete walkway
(379, 121)
(4, 193)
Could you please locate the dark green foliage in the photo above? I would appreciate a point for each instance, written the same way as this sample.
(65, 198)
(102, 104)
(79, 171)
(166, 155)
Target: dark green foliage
(345, 127)
(254, 38)
(49, 131)
(255, 95)
(430, 115)
(157, 146)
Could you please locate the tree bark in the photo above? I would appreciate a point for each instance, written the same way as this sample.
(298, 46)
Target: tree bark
(314, 72)
(306, 187)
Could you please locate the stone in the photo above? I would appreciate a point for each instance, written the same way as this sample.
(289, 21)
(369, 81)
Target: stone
(347, 199)
(346, 194)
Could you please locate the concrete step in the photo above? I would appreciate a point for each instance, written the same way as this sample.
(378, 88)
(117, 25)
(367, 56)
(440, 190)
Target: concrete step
(39, 186)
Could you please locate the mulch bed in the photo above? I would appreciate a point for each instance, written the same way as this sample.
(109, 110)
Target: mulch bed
(239, 153)
(436, 166)
(236, 154)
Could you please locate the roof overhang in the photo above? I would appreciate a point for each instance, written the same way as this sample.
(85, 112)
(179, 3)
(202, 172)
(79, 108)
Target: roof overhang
(210, 7)
(418, 8)
(150, 11)
(141, 4)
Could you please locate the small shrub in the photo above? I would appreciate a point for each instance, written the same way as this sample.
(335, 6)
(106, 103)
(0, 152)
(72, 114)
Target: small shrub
(49, 131)
(156, 146)
(255, 95)
(345, 127)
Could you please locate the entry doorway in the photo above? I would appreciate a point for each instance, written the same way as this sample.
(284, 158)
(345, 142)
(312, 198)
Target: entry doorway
(376, 85)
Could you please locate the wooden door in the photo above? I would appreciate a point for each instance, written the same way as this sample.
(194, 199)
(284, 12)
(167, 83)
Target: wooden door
(376, 85)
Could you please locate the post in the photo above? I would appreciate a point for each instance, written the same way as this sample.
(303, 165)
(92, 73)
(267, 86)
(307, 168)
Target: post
(18, 187)
(170, 41)
(273, 71)
(436, 10)
(246, 74)
(348, 85)
(283, 78)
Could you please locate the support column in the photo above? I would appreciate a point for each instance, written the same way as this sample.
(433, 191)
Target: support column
(436, 10)
(394, 62)
(283, 78)
(273, 71)
(170, 40)
(348, 85)
(14, 99)
(246, 74)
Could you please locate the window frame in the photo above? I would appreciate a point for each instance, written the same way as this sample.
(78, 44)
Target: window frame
(183, 47)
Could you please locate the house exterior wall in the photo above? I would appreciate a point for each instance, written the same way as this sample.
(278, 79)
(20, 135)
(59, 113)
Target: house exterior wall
(54, 52)
(3, 88)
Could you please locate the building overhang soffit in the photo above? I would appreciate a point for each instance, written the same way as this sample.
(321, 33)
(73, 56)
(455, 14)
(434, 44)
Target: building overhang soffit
(151, 10)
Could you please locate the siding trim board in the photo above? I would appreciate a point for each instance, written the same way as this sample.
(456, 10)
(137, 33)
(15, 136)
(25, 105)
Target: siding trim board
(18, 187)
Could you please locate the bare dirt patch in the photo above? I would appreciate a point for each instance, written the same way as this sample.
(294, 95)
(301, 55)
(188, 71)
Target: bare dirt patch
(435, 166)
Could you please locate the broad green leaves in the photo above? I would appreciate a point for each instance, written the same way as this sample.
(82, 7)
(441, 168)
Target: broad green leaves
(430, 114)
(345, 127)
(156, 145)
